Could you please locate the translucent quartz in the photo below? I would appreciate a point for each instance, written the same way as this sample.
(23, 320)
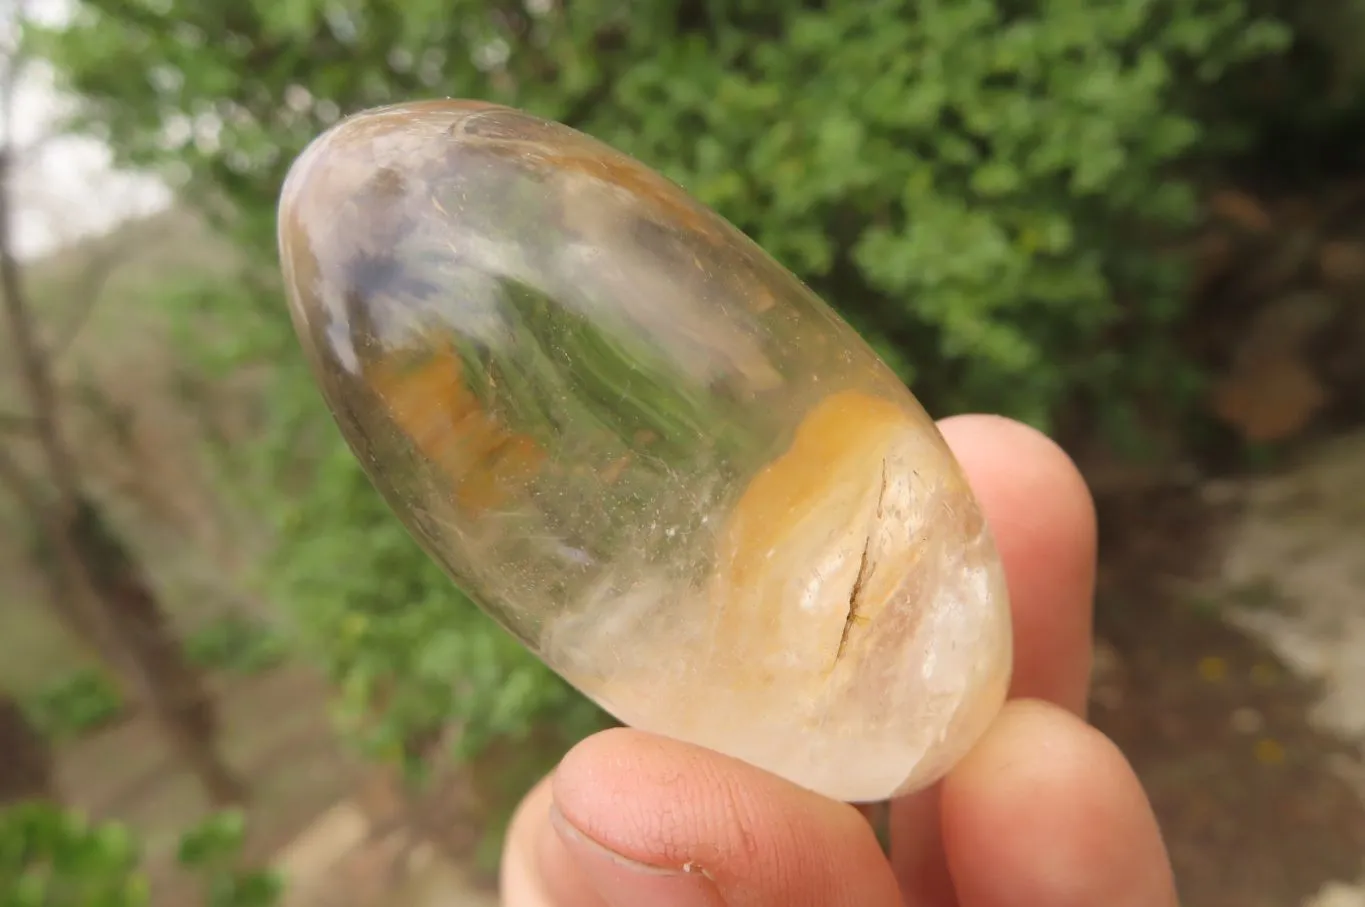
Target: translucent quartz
(644, 447)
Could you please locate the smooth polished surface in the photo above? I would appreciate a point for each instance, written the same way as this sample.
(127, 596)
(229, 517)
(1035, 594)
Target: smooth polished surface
(645, 448)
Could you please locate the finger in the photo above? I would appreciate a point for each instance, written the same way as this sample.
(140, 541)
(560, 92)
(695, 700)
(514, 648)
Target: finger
(1043, 520)
(1046, 812)
(647, 820)
(1041, 513)
(534, 853)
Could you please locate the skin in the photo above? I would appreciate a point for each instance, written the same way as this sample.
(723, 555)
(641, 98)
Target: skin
(1045, 812)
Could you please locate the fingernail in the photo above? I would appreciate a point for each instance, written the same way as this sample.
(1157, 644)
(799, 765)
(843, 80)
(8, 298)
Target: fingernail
(625, 882)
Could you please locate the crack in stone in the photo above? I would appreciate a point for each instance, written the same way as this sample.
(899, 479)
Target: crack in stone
(864, 568)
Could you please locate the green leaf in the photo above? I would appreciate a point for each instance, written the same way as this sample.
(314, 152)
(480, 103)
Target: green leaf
(214, 841)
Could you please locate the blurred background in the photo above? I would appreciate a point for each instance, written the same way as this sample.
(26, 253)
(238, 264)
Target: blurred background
(228, 677)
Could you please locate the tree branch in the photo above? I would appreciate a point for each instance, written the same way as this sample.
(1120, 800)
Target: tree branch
(32, 359)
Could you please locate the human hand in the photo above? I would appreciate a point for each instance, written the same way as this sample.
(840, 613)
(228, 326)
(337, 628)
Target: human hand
(1044, 812)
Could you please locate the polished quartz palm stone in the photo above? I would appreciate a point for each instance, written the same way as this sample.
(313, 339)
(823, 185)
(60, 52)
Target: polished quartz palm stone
(644, 447)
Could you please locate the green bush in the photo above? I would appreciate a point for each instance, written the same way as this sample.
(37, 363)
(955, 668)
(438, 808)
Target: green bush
(52, 857)
(83, 701)
(972, 180)
(978, 185)
(212, 850)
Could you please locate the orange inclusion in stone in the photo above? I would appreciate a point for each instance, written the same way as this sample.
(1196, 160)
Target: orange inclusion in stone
(837, 437)
(434, 407)
(820, 497)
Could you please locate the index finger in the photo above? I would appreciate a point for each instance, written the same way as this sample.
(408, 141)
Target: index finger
(1043, 519)
(1041, 513)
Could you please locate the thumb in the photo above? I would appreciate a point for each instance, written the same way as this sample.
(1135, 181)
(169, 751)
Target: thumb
(637, 819)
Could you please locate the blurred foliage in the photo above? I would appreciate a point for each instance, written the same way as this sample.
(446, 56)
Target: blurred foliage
(88, 699)
(968, 180)
(1305, 107)
(1324, 75)
(76, 704)
(980, 186)
(212, 851)
(52, 857)
(236, 644)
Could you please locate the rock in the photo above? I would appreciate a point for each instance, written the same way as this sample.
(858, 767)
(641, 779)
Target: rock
(1273, 390)
(1272, 400)
(1298, 543)
(1339, 894)
(645, 447)
(1241, 210)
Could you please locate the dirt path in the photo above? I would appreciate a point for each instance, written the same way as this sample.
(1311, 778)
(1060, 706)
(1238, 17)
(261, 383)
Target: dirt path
(344, 860)
(277, 736)
(319, 816)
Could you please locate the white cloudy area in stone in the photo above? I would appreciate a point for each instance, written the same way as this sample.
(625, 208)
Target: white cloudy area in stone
(65, 187)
